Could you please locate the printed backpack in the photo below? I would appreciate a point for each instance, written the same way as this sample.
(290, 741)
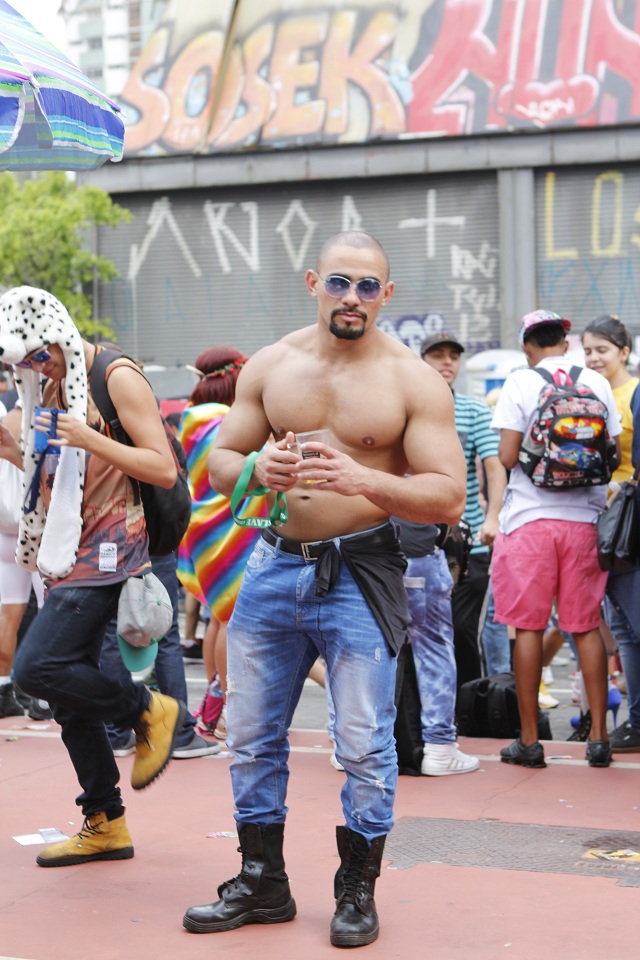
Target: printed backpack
(568, 444)
(166, 512)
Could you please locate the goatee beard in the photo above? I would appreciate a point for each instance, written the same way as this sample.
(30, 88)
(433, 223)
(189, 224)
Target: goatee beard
(348, 332)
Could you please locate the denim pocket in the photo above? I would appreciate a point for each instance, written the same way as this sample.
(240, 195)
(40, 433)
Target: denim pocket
(416, 594)
(259, 556)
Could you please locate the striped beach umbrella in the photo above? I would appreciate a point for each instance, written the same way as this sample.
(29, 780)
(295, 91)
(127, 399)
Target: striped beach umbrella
(52, 117)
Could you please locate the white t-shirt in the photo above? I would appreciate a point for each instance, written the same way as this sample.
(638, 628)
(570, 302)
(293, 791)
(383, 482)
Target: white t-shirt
(516, 409)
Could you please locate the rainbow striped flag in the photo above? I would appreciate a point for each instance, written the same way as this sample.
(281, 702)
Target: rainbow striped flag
(214, 550)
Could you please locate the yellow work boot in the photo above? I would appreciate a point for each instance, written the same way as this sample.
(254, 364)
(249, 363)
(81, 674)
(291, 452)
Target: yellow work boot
(156, 731)
(99, 839)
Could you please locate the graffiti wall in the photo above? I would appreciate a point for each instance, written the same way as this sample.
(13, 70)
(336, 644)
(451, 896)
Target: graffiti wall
(228, 265)
(588, 243)
(233, 74)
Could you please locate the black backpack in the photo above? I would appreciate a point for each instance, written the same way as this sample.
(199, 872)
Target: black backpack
(568, 444)
(166, 512)
(488, 707)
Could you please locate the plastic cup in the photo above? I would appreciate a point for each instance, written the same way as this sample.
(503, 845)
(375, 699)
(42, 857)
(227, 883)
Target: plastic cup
(311, 436)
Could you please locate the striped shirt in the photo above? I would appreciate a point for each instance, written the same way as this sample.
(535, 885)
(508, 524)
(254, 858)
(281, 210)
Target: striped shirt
(473, 424)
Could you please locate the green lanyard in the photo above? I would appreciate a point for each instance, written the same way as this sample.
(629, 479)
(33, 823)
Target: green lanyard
(279, 513)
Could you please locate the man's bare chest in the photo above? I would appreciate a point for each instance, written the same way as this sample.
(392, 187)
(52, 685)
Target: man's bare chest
(362, 412)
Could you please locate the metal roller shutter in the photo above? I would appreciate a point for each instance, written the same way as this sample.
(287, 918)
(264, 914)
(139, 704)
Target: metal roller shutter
(228, 265)
(587, 241)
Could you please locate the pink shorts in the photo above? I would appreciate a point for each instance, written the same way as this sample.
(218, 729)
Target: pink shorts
(546, 560)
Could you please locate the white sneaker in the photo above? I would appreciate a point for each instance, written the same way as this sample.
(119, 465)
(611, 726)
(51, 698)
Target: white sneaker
(560, 661)
(445, 759)
(545, 700)
(333, 760)
(127, 748)
(547, 675)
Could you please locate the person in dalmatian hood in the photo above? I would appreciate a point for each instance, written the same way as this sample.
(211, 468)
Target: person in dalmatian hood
(83, 528)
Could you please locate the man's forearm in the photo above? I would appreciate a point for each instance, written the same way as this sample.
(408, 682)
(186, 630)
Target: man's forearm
(423, 498)
(224, 468)
(496, 486)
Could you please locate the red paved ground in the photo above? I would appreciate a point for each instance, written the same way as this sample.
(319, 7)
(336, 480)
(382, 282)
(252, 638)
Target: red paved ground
(133, 909)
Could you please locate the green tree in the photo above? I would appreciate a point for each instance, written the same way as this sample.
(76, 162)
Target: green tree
(45, 228)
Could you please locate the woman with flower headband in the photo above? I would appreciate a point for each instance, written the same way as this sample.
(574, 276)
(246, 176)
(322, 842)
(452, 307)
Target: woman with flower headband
(214, 551)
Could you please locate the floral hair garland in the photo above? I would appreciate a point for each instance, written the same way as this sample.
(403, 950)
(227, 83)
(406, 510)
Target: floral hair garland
(221, 371)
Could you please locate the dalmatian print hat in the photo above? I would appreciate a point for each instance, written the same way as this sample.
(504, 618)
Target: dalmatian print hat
(29, 319)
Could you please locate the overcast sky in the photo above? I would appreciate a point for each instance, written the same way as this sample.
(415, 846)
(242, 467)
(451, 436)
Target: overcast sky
(43, 15)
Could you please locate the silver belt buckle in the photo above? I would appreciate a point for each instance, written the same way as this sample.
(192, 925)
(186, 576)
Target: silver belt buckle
(305, 548)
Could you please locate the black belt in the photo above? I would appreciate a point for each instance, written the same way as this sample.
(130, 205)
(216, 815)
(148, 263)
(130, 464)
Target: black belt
(313, 549)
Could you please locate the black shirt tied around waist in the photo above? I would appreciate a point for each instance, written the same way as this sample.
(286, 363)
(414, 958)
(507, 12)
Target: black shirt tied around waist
(375, 561)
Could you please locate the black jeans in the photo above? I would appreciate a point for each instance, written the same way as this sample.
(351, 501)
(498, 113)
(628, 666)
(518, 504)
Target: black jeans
(466, 607)
(58, 660)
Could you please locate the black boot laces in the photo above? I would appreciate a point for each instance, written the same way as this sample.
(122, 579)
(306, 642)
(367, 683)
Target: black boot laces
(89, 829)
(241, 878)
(352, 879)
(141, 731)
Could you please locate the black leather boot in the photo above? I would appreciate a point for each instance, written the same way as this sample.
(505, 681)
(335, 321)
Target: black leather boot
(10, 706)
(259, 894)
(355, 922)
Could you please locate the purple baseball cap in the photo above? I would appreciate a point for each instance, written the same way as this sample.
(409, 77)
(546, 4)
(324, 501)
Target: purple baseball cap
(539, 318)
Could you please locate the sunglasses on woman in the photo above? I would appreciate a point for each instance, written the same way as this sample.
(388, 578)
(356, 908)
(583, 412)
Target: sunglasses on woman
(41, 356)
(336, 286)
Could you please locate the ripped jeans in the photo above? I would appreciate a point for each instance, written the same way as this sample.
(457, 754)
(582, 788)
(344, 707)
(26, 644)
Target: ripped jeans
(277, 630)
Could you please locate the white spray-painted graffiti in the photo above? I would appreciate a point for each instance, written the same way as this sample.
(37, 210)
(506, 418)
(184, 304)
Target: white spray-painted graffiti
(237, 238)
(471, 301)
(429, 223)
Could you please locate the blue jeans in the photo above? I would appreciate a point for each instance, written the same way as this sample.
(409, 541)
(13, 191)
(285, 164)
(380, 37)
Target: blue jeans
(495, 641)
(429, 586)
(278, 628)
(169, 666)
(58, 660)
(629, 647)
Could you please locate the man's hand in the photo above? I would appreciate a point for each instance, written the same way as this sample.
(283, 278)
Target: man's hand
(487, 532)
(332, 470)
(10, 448)
(275, 467)
(69, 431)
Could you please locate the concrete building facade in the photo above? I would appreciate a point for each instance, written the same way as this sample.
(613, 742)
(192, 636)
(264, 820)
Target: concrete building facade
(485, 215)
(106, 37)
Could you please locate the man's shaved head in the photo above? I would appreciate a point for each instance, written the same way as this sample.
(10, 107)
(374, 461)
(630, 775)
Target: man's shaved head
(352, 238)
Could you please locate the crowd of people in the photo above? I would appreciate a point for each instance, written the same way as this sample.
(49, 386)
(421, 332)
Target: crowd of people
(299, 549)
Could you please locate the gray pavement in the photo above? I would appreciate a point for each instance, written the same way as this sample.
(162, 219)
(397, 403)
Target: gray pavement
(311, 713)
(561, 689)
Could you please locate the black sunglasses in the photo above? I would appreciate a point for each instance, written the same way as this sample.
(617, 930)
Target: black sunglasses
(367, 289)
